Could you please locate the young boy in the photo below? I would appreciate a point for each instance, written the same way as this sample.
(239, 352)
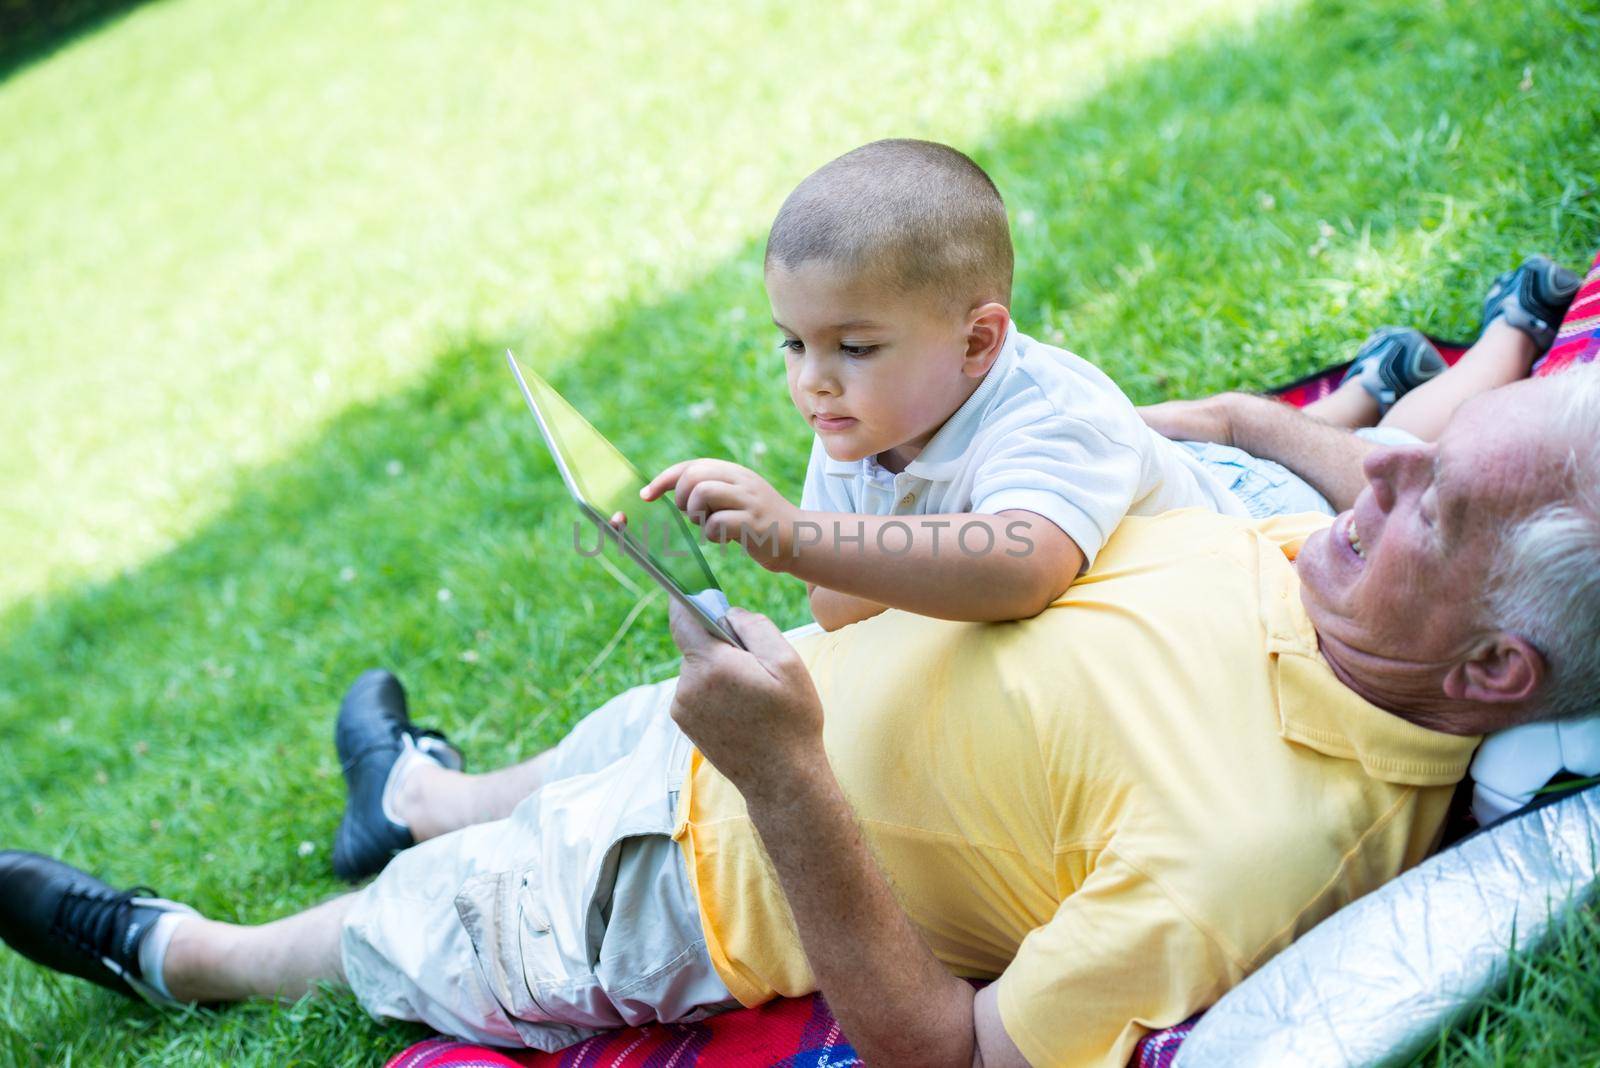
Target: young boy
(960, 468)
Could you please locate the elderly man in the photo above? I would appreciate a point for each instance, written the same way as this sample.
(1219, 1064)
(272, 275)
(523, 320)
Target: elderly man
(1222, 733)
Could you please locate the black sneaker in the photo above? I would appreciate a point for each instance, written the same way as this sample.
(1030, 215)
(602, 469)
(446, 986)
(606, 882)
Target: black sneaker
(372, 731)
(1533, 298)
(69, 921)
(1392, 362)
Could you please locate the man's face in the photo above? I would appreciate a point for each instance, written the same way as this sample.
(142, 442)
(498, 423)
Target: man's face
(1395, 582)
(871, 370)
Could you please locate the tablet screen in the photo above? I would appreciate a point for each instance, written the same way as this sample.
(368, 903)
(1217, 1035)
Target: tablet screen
(609, 483)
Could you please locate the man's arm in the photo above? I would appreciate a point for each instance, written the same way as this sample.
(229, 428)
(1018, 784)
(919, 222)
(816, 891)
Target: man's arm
(756, 717)
(1326, 456)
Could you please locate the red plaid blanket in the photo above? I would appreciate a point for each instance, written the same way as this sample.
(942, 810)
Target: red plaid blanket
(802, 1033)
(794, 1033)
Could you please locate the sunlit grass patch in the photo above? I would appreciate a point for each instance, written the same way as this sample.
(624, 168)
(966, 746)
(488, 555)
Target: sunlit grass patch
(225, 222)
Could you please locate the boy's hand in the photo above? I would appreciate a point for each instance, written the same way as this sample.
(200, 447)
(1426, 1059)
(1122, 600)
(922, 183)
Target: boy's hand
(730, 503)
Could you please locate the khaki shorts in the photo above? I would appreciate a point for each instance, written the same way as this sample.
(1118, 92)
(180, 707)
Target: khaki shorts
(572, 916)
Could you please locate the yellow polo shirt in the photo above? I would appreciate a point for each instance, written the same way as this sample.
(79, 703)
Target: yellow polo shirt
(1120, 807)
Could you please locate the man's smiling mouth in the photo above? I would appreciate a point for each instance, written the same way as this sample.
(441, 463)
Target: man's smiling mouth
(1355, 538)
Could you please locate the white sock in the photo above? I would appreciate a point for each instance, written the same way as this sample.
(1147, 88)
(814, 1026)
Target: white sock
(409, 756)
(153, 951)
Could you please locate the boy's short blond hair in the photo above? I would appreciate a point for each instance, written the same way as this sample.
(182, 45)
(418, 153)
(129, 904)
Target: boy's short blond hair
(917, 215)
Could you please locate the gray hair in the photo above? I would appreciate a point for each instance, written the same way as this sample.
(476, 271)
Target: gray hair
(916, 214)
(1545, 584)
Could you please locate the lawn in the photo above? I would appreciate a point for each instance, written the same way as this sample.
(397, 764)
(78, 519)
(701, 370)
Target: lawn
(259, 261)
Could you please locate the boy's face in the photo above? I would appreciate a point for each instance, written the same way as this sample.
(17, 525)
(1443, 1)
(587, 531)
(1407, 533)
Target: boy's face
(872, 370)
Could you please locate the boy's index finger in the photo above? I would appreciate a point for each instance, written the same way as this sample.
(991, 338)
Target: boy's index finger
(664, 481)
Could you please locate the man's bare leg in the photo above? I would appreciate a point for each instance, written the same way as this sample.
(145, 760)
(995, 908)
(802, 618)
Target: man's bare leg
(1350, 406)
(67, 919)
(1501, 356)
(212, 961)
(434, 800)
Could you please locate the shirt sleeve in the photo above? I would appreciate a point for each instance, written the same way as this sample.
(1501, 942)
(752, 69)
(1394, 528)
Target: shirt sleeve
(824, 492)
(1117, 960)
(1062, 469)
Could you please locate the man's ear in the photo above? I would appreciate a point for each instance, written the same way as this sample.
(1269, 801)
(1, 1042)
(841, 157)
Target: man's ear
(986, 333)
(1504, 669)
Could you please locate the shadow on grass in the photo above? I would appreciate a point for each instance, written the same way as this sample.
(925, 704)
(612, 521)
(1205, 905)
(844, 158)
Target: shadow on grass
(33, 30)
(1233, 215)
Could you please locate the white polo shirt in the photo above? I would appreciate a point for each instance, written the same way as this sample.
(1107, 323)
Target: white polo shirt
(1045, 432)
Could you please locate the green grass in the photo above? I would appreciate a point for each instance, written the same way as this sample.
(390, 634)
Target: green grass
(260, 261)
(1549, 1013)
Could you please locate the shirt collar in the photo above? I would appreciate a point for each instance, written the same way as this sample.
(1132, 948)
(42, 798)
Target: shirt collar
(844, 468)
(941, 459)
(1336, 721)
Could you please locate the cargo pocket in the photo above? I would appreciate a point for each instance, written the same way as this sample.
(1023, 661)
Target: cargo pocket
(540, 931)
(653, 962)
(652, 958)
(558, 980)
(521, 960)
(559, 946)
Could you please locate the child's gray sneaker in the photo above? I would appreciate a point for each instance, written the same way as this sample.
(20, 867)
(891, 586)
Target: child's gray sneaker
(1533, 298)
(1392, 362)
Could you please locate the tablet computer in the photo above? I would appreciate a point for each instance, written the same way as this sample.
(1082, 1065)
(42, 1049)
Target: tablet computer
(653, 534)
